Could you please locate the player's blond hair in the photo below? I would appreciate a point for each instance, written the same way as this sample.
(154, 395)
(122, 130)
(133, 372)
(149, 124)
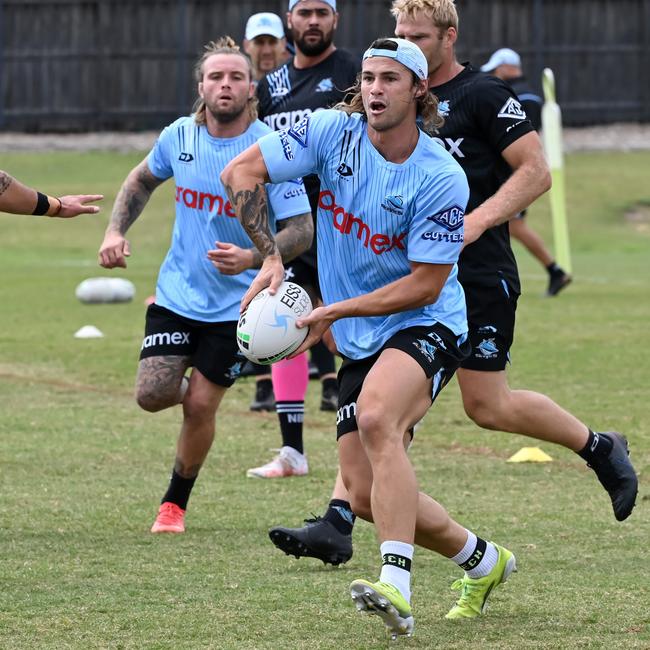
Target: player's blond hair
(442, 12)
(223, 45)
(426, 105)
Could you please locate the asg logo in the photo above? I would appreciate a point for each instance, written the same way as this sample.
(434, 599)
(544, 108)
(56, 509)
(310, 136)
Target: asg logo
(452, 146)
(186, 157)
(394, 204)
(299, 132)
(450, 219)
(512, 110)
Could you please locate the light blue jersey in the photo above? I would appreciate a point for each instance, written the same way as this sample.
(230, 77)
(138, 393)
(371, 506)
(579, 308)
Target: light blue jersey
(374, 218)
(188, 283)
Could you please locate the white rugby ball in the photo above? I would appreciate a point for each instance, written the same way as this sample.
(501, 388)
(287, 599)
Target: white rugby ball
(267, 330)
(95, 290)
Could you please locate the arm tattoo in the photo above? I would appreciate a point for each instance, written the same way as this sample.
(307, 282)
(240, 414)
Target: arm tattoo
(132, 197)
(295, 236)
(251, 207)
(5, 182)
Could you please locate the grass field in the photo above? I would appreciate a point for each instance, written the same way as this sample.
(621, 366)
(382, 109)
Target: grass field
(82, 469)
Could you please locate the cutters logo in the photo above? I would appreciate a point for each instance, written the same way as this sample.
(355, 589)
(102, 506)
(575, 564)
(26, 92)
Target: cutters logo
(344, 221)
(286, 145)
(449, 237)
(204, 201)
(450, 219)
(394, 204)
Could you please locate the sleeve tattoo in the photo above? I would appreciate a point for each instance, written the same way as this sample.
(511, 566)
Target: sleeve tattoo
(132, 197)
(251, 206)
(5, 182)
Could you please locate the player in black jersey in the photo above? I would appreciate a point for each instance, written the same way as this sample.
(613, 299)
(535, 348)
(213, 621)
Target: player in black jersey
(316, 77)
(488, 133)
(506, 65)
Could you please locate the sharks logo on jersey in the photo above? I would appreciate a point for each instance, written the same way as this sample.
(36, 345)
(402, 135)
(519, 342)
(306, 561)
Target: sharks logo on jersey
(444, 108)
(325, 85)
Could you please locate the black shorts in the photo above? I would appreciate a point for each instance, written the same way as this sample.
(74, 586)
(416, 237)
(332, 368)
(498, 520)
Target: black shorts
(212, 347)
(306, 276)
(491, 321)
(436, 348)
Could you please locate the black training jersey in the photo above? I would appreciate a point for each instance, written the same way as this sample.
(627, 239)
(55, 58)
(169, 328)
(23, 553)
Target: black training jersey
(287, 95)
(482, 118)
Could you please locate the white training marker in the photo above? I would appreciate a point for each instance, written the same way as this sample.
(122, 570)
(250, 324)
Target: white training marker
(88, 332)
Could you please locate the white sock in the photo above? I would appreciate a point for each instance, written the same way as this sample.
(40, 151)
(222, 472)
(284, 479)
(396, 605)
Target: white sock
(396, 567)
(477, 557)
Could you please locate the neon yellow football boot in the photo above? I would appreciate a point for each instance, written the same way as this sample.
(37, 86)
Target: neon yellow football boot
(474, 592)
(385, 600)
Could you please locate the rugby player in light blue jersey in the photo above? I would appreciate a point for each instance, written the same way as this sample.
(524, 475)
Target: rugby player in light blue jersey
(390, 230)
(209, 264)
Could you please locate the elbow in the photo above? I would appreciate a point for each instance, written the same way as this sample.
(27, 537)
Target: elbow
(546, 180)
(430, 297)
(227, 174)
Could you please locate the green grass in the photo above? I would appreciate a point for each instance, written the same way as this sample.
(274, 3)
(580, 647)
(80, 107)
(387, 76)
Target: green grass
(82, 469)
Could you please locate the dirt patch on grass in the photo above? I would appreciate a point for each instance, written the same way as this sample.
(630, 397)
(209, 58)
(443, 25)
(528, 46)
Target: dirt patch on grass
(638, 216)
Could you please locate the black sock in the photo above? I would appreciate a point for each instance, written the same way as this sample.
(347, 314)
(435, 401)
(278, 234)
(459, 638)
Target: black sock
(323, 359)
(329, 384)
(291, 415)
(597, 447)
(264, 386)
(179, 490)
(554, 269)
(340, 515)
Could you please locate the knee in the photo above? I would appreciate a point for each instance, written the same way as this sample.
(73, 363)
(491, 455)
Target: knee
(198, 407)
(482, 412)
(151, 400)
(372, 425)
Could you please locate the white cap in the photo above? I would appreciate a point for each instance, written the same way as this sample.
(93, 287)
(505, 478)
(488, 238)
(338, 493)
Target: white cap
(407, 53)
(264, 24)
(504, 56)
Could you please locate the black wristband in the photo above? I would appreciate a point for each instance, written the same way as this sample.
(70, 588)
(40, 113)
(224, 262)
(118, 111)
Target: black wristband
(42, 204)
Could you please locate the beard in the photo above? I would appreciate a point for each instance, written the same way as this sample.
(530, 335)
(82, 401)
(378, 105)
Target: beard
(226, 116)
(312, 48)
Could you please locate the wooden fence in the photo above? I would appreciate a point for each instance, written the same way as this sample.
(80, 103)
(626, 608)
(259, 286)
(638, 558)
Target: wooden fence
(126, 64)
